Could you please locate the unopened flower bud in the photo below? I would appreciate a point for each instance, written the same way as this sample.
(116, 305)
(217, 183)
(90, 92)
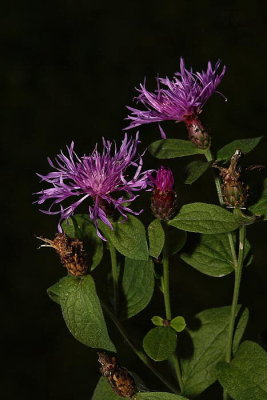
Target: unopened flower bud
(71, 252)
(163, 200)
(197, 133)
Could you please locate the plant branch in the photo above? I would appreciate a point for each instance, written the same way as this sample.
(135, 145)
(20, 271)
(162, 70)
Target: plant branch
(166, 292)
(115, 277)
(140, 354)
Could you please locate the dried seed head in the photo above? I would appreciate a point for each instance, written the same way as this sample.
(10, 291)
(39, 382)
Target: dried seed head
(234, 190)
(118, 377)
(71, 252)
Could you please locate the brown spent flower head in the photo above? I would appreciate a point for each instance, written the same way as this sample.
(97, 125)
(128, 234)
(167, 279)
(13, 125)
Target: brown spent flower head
(71, 252)
(118, 377)
(234, 190)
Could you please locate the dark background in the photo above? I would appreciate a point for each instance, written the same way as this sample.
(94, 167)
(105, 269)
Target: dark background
(67, 69)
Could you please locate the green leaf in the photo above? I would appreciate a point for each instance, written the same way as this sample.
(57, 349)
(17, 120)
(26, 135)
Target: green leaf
(244, 145)
(245, 378)
(208, 335)
(104, 391)
(128, 237)
(260, 207)
(178, 324)
(54, 292)
(176, 240)
(240, 329)
(172, 148)
(211, 254)
(80, 226)
(195, 170)
(158, 321)
(156, 238)
(156, 396)
(160, 343)
(82, 312)
(137, 285)
(205, 218)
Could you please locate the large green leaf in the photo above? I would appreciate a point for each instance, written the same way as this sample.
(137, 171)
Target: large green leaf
(205, 218)
(211, 254)
(244, 145)
(172, 148)
(82, 311)
(80, 226)
(156, 238)
(160, 343)
(128, 237)
(195, 170)
(260, 207)
(137, 285)
(245, 378)
(208, 336)
(157, 396)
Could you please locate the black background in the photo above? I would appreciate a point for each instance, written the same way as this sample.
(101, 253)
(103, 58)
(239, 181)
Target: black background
(67, 70)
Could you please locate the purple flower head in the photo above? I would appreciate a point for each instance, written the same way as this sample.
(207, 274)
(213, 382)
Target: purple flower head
(100, 177)
(176, 99)
(164, 180)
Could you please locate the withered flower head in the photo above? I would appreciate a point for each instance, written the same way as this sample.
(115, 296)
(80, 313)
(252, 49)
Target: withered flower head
(234, 190)
(71, 252)
(118, 377)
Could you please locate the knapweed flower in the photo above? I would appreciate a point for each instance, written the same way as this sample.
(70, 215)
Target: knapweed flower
(100, 177)
(179, 99)
(163, 199)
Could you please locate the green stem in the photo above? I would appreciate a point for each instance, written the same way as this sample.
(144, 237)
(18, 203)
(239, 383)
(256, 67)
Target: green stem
(209, 157)
(238, 276)
(166, 292)
(140, 354)
(115, 276)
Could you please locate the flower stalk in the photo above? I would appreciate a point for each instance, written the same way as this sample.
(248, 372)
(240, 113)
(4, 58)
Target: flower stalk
(115, 276)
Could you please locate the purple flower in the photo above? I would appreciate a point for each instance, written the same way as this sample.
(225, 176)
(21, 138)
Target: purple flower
(99, 177)
(164, 180)
(176, 99)
(164, 198)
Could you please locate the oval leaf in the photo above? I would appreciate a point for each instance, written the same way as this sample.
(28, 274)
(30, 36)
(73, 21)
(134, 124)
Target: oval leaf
(160, 343)
(178, 324)
(245, 145)
(172, 148)
(210, 254)
(245, 378)
(195, 170)
(242, 321)
(137, 285)
(80, 226)
(208, 337)
(82, 312)
(156, 238)
(128, 237)
(205, 218)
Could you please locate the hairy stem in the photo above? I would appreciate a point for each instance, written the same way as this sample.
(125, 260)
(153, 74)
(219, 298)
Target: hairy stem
(166, 292)
(209, 157)
(138, 352)
(115, 276)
